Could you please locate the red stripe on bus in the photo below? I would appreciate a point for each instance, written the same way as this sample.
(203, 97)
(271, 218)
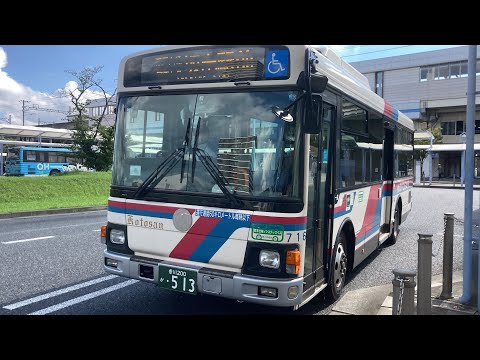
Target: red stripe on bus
(388, 109)
(119, 204)
(194, 237)
(342, 207)
(158, 208)
(370, 211)
(387, 187)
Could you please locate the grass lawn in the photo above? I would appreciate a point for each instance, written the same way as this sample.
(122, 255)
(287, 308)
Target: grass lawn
(52, 192)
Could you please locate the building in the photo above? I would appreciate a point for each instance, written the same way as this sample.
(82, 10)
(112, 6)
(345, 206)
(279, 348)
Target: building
(94, 109)
(430, 88)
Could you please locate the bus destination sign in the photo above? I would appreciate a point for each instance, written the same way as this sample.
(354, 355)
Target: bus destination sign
(217, 64)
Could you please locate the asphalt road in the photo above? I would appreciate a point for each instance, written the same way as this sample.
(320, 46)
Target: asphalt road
(53, 265)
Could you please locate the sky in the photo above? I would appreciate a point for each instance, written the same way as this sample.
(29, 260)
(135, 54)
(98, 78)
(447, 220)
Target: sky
(37, 73)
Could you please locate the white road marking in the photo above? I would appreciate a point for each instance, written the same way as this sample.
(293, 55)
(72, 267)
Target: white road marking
(98, 230)
(20, 241)
(83, 298)
(58, 292)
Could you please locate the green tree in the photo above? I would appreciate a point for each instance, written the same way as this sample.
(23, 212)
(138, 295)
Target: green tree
(421, 154)
(92, 141)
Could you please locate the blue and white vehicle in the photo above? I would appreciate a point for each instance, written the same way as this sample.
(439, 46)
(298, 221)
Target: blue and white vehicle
(24, 160)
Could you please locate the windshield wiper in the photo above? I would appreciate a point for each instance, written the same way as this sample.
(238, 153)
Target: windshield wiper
(195, 143)
(159, 173)
(217, 176)
(164, 168)
(185, 144)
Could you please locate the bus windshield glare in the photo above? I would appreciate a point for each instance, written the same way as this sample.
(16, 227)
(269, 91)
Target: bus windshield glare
(201, 142)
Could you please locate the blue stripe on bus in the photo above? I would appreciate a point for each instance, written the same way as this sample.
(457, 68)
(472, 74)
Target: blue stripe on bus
(162, 215)
(294, 227)
(375, 223)
(341, 213)
(116, 209)
(394, 113)
(215, 240)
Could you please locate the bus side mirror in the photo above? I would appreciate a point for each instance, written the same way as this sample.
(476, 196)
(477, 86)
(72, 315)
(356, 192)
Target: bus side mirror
(318, 83)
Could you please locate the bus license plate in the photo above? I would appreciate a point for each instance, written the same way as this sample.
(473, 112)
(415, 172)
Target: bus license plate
(177, 279)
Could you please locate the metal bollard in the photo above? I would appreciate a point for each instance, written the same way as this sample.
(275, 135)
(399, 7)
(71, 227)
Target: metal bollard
(474, 298)
(453, 180)
(424, 290)
(403, 292)
(447, 256)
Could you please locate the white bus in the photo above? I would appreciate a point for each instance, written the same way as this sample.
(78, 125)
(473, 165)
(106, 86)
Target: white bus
(257, 173)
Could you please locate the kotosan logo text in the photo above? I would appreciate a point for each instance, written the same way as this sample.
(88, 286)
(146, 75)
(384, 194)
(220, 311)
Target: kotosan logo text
(148, 224)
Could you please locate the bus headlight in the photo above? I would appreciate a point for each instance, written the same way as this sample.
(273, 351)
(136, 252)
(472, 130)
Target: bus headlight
(117, 236)
(269, 259)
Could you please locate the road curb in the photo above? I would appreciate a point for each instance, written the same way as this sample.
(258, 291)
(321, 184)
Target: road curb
(443, 187)
(50, 212)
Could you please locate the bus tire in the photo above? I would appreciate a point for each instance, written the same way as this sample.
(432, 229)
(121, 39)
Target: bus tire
(338, 270)
(54, 173)
(396, 223)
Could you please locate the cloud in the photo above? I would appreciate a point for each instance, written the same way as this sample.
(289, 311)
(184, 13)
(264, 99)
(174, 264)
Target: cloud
(12, 92)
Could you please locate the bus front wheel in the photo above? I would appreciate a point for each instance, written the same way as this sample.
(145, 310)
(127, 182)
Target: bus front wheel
(54, 172)
(338, 270)
(396, 223)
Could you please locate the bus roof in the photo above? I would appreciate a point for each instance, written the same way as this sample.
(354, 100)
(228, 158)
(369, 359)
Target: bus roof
(43, 149)
(347, 79)
(341, 76)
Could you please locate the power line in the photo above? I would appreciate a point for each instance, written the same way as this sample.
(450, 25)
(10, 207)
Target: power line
(38, 108)
(376, 51)
(7, 120)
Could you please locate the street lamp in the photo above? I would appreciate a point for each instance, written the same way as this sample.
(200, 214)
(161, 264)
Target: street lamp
(463, 135)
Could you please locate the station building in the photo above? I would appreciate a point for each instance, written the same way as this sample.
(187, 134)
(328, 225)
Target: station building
(430, 87)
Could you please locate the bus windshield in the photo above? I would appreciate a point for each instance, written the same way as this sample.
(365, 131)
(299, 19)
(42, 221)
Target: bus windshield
(203, 141)
(13, 154)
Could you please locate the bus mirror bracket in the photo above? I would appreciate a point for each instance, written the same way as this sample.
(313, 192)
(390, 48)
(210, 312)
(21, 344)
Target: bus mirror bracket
(314, 83)
(313, 118)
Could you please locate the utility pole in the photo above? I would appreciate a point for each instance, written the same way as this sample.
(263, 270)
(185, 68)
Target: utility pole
(469, 160)
(23, 110)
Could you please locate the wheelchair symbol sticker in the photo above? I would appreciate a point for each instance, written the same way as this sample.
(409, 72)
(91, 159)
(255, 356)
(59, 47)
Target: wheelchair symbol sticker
(276, 64)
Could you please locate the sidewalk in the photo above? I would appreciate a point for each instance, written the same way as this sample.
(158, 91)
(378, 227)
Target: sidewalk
(378, 300)
(438, 185)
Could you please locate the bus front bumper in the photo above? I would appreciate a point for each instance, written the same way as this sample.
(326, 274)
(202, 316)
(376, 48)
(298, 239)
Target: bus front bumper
(232, 285)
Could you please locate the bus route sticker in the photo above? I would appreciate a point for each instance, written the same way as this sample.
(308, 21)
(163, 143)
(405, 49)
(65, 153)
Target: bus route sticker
(360, 196)
(347, 205)
(267, 232)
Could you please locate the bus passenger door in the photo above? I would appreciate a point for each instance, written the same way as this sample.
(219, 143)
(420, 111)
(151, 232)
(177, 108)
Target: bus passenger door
(319, 187)
(387, 183)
